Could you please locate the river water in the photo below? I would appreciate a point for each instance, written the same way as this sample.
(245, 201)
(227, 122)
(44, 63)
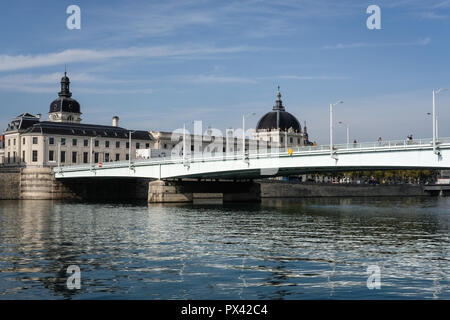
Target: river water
(279, 249)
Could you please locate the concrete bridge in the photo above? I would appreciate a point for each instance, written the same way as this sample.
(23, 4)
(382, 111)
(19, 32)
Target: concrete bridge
(383, 155)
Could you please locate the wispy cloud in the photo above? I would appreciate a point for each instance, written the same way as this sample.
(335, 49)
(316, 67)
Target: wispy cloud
(46, 83)
(8, 62)
(211, 79)
(422, 42)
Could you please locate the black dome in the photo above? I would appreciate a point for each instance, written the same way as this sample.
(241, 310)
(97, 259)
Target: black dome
(279, 118)
(287, 121)
(65, 104)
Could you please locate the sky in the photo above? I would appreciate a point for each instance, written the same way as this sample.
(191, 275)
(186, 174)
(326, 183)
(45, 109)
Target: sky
(160, 64)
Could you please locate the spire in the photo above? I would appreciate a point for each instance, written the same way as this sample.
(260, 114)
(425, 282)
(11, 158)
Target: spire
(65, 85)
(278, 103)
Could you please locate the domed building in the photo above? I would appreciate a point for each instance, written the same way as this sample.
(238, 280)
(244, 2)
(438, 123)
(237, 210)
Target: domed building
(280, 128)
(65, 108)
(64, 140)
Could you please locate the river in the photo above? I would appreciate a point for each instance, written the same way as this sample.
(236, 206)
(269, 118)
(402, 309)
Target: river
(279, 249)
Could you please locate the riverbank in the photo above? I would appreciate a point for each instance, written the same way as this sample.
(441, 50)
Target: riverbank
(39, 184)
(284, 189)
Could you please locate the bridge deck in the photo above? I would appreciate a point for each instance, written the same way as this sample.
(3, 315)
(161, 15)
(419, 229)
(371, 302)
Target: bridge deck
(258, 163)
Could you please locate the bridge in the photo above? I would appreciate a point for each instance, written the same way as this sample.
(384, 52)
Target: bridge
(399, 154)
(382, 155)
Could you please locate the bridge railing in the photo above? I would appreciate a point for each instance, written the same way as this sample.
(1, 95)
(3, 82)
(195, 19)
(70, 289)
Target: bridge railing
(270, 152)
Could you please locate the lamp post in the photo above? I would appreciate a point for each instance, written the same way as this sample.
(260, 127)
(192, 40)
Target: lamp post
(331, 127)
(129, 149)
(348, 131)
(434, 119)
(243, 133)
(59, 155)
(92, 150)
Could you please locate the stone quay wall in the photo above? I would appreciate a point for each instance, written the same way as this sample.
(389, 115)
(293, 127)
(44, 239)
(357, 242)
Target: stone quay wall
(281, 189)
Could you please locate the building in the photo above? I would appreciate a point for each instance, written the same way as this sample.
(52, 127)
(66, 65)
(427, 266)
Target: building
(279, 128)
(64, 140)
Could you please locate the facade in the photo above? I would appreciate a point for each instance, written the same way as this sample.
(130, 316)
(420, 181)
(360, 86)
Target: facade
(197, 145)
(65, 140)
(278, 128)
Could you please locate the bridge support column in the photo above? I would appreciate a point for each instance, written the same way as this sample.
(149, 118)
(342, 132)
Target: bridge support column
(183, 191)
(160, 191)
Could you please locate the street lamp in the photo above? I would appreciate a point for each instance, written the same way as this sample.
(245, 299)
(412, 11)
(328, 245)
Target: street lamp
(434, 118)
(331, 127)
(348, 131)
(129, 149)
(243, 132)
(92, 150)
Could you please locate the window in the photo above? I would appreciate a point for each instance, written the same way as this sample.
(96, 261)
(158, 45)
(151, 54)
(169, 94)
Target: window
(51, 140)
(107, 144)
(9, 143)
(137, 145)
(35, 140)
(97, 143)
(86, 142)
(85, 157)
(147, 146)
(63, 156)
(14, 142)
(106, 157)
(23, 141)
(298, 140)
(128, 145)
(117, 144)
(281, 139)
(23, 156)
(192, 147)
(51, 155)
(127, 157)
(14, 157)
(291, 140)
(165, 146)
(35, 156)
(117, 156)
(74, 157)
(63, 141)
(9, 156)
(74, 142)
(96, 157)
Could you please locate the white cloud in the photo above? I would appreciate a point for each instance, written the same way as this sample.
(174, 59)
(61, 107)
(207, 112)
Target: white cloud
(422, 42)
(212, 79)
(8, 62)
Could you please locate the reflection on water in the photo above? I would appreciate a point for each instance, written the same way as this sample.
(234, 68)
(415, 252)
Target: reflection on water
(280, 249)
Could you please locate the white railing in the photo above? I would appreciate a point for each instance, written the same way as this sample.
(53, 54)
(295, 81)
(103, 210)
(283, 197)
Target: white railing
(268, 153)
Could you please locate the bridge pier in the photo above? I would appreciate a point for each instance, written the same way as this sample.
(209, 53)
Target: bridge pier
(161, 191)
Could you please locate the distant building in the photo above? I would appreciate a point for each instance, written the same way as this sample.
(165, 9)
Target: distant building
(279, 128)
(64, 140)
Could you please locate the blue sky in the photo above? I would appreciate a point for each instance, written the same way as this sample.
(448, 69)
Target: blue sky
(158, 64)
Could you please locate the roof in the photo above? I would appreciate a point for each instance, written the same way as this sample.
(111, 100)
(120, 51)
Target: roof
(65, 104)
(22, 122)
(88, 130)
(286, 121)
(278, 118)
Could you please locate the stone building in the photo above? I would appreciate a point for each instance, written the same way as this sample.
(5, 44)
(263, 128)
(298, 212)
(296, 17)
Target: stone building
(279, 128)
(65, 140)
